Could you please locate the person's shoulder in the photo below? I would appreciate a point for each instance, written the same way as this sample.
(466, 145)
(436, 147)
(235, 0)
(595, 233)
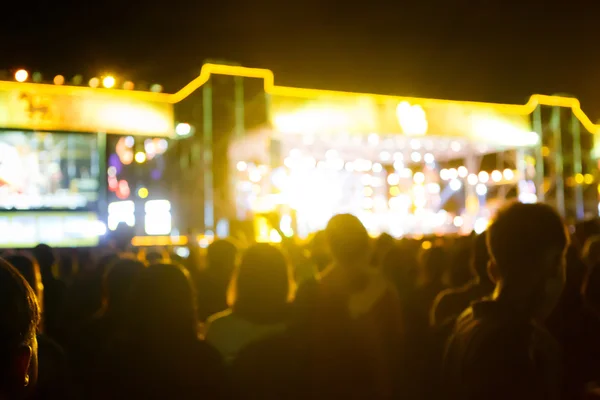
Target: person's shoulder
(220, 317)
(449, 303)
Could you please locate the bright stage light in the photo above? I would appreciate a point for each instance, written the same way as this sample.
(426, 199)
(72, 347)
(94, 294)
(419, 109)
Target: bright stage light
(419, 177)
(455, 185)
(21, 75)
(588, 179)
(415, 157)
(452, 173)
(496, 176)
(142, 193)
(458, 221)
(444, 174)
(429, 158)
(377, 168)
(484, 177)
(579, 179)
(480, 226)
(393, 179)
(140, 157)
(412, 119)
(108, 82)
(463, 172)
(183, 129)
(509, 175)
(472, 179)
(385, 156)
(481, 189)
(242, 166)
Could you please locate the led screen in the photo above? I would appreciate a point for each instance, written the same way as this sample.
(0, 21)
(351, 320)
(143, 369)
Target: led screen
(43, 170)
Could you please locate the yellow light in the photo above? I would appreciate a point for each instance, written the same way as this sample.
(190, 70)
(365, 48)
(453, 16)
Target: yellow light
(140, 157)
(484, 177)
(255, 176)
(588, 179)
(496, 176)
(579, 179)
(108, 82)
(419, 177)
(368, 191)
(412, 119)
(274, 236)
(458, 221)
(394, 191)
(599, 188)
(148, 241)
(183, 129)
(472, 179)
(21, 75)
(59, 80)
(143, 193)
(128, 85)
(545, 151)
(393, 179)
(94, 82)
(426, 245)
(509, 175)
(241, 166)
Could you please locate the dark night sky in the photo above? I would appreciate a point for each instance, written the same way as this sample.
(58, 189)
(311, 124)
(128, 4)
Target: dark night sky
(490, 50)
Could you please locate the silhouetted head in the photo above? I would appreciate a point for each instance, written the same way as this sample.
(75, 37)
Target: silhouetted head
(433, 265)
(46, 258)
(30, 270)
(19, 318)
(261, 286)
(480, 259)
(527, 245)
(157, 256)
(320, 254)
(400, 266)
(163, 305)
(348, 241)
(591, 250)
(383, 244)
(221, 257)
(591, 288)
(118, 283)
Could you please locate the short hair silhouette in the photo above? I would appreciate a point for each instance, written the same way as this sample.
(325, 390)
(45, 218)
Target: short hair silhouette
(163, 304)
(19, 318)
(221, 256)
(29, 268)
(46, 257)
(347, 238)
(260, 289)
(522, 235)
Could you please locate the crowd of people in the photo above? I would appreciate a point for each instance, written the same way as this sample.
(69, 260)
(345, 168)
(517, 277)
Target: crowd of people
(513, 313)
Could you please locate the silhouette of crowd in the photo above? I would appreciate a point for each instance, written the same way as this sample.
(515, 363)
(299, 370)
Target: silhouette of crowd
(513, 313)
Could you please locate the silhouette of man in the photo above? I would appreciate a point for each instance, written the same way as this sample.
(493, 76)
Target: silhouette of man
(499, 348)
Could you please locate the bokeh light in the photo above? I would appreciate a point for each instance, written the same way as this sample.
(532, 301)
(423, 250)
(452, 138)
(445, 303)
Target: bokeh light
(140, 157)
(21, 75)
(108, 82)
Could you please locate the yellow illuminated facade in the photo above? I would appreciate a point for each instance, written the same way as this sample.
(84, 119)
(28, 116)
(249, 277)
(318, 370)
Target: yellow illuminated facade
(34, 106)
(386, 140)
(270, 88)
